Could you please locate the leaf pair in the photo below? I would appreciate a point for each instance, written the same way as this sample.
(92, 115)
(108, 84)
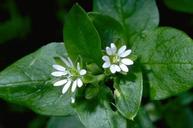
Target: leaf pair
(80, 38)
(164, 53)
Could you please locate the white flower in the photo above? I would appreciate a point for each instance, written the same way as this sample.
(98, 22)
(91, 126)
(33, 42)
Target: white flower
(70, 76)
(116, 59)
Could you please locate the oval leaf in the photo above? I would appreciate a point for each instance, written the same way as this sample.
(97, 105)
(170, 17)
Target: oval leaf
(28, 82)
(128, 94)
(134, 15)
(81, 38)
(167, 54)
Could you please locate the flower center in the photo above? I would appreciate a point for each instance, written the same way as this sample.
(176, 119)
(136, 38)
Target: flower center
(115, 59)
(74, 73)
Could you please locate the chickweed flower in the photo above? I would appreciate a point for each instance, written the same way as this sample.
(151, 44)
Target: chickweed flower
(70, 76)
(117, 59)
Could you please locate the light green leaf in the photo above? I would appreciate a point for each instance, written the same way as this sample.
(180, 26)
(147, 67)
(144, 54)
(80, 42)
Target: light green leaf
(109, 29)
(167, 54)
(128, 94)
(81, 37)
(180, 5)
(134, 15)
(28, 82)
(64, 122)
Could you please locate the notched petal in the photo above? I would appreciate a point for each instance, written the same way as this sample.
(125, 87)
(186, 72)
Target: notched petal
(106, 65)
(124, 68)
(79, 83)
(108, 50)
(113, 69)
(74, 85)
(125, 53)
(127, 61)
(66, 87)
(58, 73)
(105, 58)
(113, 48)
(60, 82)
(82, 72)
(59, 67)
(122, 49)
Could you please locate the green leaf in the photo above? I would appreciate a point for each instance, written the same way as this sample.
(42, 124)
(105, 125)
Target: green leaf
(128, 94)
(109, 29)
(167, 55)
(100, 116)
(97, 112)
(64, 122)
(180, 5)
(81, 37)
(28, 82)
(91, 92)
(134, 15)
(142, 120)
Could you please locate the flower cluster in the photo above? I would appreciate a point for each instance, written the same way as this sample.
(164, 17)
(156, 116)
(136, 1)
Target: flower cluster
(72, 76)
(116, 59)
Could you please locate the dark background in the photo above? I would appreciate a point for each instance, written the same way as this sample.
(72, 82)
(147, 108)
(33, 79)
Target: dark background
(46, 26)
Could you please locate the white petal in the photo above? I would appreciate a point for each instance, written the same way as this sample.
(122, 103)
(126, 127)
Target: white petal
(124, 67)
(117, 68)
(113, 69)
(66, 62)
(72, 100)
(106, 65)
(74, 85)
(78, 66)
(125, 53)
(60, 83)
(127, 61)
(108, 50)
(79, 82)
(58, 73)
(59, 67)
(113, 48)
(66, 87)
(122, 49)
(105, 58)
(82, 72)
(70, 62)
